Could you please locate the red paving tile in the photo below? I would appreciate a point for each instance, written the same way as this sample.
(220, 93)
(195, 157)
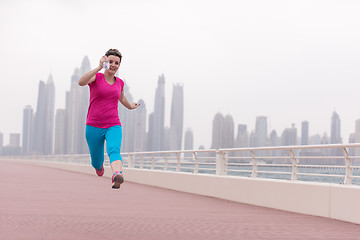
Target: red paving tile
(43, 203)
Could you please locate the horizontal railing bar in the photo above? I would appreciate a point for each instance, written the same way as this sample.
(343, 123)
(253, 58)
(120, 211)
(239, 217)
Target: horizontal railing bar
(321, 175)
(271, 172)
(238, 170)
(352, 145)
(239, 164)
(274, 165)
(320, 166)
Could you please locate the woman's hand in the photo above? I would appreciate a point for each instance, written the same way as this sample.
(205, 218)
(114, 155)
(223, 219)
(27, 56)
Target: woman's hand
(134, 105)
(102, 60)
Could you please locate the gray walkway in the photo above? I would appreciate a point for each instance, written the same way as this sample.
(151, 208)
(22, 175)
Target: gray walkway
(44, 203)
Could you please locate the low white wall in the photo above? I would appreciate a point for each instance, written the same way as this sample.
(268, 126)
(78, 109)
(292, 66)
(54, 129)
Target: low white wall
(335, 201)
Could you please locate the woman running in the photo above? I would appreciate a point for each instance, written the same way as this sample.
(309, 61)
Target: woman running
(103, 121)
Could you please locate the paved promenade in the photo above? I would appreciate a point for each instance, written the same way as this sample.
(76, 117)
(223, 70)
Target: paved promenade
(41, 203)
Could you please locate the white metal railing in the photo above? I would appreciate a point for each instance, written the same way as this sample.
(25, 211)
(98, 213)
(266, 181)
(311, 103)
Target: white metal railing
(296, 163)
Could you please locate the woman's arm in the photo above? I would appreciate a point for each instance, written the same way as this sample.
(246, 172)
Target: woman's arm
(126, 103)
(90, 76)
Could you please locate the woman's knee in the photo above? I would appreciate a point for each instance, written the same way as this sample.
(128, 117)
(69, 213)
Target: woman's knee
(114, 153)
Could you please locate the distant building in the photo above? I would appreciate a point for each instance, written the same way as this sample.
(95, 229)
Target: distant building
(223, 132)
(289, 136)
(14, 140)
(60, 132)
(26, 132)
(325, 139)
(274, 141)
(242, 140)
(357, 137)
(157, 118)
(189, 140)
(140, 135)
(261, 131)
(352, 139)
(128, 121)
(335, 135)
(77, 102)
(305, 133)
(177, 117)
(43, 126)
(14, 147)
(242, 137)
(315, 139)
(217, 131)
(228, 133)
(260, 136)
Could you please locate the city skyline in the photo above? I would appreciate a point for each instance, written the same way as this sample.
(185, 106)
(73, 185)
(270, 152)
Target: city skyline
(287, 60)
(136, 134)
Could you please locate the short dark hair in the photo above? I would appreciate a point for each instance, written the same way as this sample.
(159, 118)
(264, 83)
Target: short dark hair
(114, 52)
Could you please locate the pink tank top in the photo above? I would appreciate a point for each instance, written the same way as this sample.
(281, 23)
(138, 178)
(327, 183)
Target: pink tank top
(104, 100)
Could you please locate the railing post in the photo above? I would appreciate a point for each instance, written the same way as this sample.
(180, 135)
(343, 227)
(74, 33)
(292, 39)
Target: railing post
(255, 166)
(196, 169)
(131, 161)
(221, 159)
(142, 162)
(348, 172)
(294, 174)
(178, 162)
(165, 163)
(152, 162)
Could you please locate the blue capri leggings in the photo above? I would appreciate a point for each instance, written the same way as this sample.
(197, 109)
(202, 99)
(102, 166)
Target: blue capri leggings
(96, 137)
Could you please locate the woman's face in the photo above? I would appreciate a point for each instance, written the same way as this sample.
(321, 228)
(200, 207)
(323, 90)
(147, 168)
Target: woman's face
(114, 63)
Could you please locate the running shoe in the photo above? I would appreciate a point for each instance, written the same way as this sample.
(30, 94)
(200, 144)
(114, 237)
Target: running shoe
(117, 180)
(100, 171)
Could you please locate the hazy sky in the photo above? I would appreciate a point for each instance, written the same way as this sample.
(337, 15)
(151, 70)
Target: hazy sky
(287, 60)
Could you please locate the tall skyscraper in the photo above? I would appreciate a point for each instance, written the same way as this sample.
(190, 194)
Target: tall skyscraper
(158, 117)
(242, 138)
(189, 140)
(325, 140)
(217, 131)
(252, 139)
(77, 102)
(149, 138)
(177, 117)
(357, 136)
(228, 133)
(139, 133)
(60, 132)
(72, 113)
(127, 118)
(14, 140)
(305, 133)
(289, 136)
(43, 132)
(50, 114)
(166, 139)
(27, 125)
(335, 135)
(352, 139)
(84, 103)
(261, 131)
(274, 141)
(37, 143)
